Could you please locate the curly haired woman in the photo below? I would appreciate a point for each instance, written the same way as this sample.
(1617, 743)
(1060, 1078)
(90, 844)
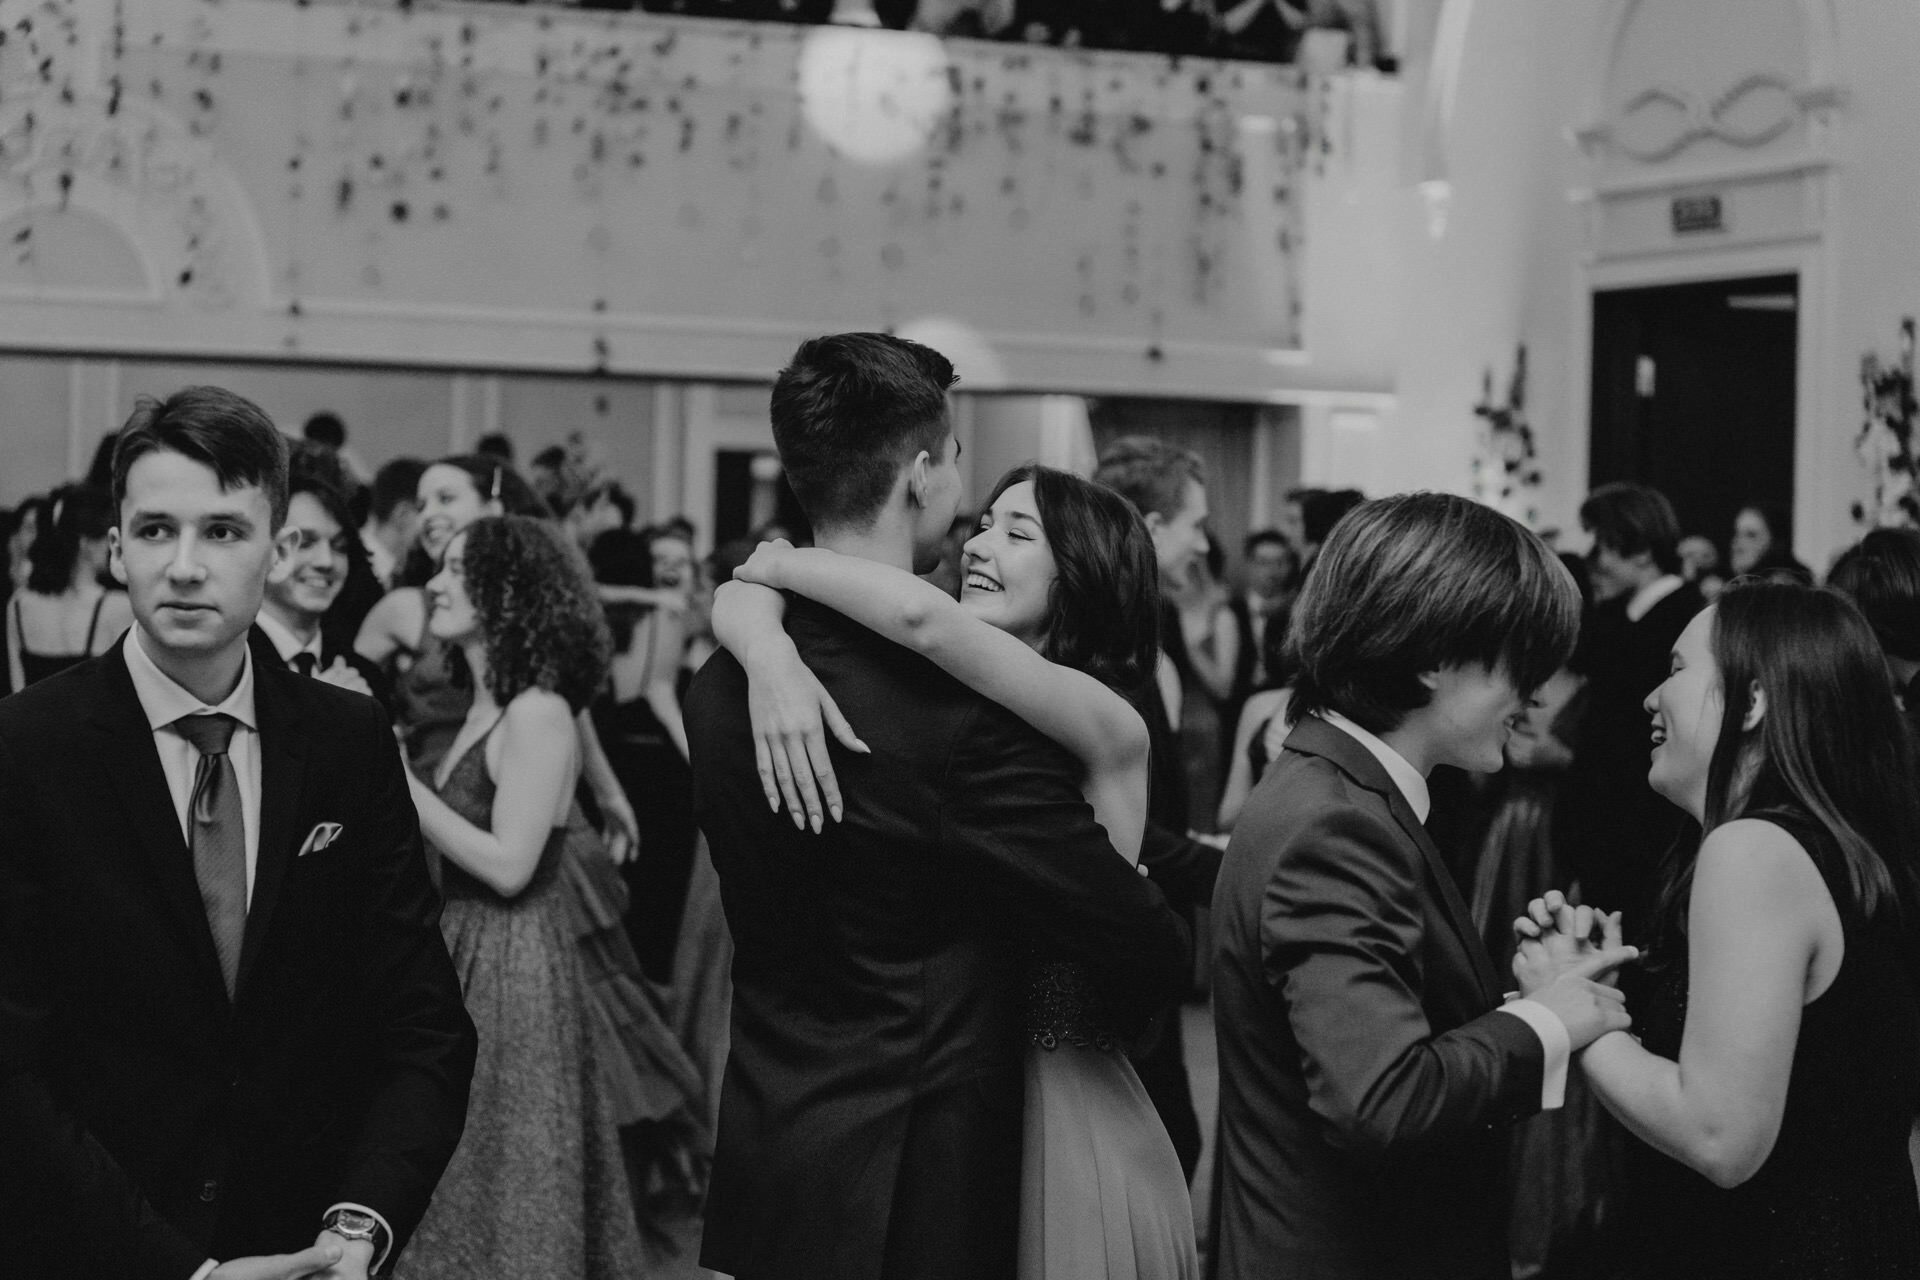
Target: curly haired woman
(538, 1186)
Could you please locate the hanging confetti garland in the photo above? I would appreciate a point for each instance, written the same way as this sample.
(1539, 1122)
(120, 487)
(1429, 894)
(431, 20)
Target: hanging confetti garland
(621, 165)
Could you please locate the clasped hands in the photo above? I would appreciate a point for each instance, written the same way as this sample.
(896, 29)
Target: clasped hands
(1568, 960)
(330, 1258)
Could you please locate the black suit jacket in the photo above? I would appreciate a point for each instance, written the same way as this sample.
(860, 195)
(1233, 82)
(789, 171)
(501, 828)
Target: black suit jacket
(1183, 867)
(1611, 828)
(870, 1115)
(1364, 1074)
(379, 683)
(152, 1123)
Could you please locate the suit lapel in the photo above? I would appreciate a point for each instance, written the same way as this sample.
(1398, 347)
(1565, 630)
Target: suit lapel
(1451, 902)
(1317, 736)
(124, 751)
(283, 767)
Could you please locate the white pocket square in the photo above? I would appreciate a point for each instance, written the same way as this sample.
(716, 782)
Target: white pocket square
(322, 835)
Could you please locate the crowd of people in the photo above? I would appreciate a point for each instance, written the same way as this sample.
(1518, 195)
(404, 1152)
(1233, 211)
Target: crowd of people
(364, 835)
(1250, 30)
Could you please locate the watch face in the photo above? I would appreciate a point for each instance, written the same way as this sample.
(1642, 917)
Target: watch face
(348, 1222)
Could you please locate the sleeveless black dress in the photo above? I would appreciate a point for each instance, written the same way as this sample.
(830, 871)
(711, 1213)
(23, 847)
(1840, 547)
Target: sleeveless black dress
(1835, 1200)
(35, 667)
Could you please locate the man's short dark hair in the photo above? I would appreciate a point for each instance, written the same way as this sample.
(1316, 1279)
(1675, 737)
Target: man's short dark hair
(327, 429)
(1628, 519)
(1881, 575)
(1417, 582)
(1149, 473)
(551, 458)
(849, 411)
(396, 483)
(1321, 510)
(1263, 538)
(315, 470)
(214, 427)
(495, 444)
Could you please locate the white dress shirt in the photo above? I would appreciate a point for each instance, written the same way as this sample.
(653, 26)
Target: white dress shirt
(287, 644)
(165, 701)
(1652, 594)
(1546, 1024)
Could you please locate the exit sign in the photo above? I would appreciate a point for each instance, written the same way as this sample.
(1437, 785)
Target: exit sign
(1698, 213)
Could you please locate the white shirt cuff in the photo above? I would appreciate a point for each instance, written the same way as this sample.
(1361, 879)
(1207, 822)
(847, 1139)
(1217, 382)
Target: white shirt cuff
(206, 1269)
(386, 1230)
(1554, 1040)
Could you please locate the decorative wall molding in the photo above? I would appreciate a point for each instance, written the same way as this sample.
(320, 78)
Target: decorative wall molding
(140, 169)
(1695, 118)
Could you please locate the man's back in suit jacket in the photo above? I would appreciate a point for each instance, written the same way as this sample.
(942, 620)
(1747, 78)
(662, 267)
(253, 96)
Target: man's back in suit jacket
(1365, 1081)
(153, 1122)
(870, 1121)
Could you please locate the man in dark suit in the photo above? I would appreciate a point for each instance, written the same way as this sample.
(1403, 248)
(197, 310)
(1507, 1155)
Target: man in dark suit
(870, 1121)
(1167, 486)
(1269, 566)
(1367, 1063)
(229, 1027)
(303, 587)
(1609, 826)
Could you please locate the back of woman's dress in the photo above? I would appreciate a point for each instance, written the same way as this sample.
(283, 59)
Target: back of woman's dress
(1836, 1199)
(1102, 1194)
(538, 1186)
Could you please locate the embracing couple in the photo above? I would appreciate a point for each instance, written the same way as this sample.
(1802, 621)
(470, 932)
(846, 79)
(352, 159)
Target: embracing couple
(943, 942)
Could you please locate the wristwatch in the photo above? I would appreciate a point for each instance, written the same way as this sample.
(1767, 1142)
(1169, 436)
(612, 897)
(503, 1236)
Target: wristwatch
(353, 1224)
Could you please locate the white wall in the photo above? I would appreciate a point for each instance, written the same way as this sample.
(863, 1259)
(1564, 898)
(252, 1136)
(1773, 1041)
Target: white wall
(486, 184)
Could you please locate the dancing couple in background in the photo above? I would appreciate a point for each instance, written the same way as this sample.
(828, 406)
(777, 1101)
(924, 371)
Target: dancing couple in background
(943, 944)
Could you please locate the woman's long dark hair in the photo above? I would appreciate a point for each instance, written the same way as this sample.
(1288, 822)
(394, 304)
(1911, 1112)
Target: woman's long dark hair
(75, 515)
(1832, 743)
(1104, 606)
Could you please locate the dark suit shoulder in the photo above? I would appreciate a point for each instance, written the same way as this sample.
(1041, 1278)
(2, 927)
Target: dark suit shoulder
(326, 704)
(1669, 615)
(1308, 787)
(59, 700)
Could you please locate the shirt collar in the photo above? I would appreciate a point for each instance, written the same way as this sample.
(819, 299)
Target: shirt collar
(165, 700)
(1412, 784)
(1652, 594)
(285, 643)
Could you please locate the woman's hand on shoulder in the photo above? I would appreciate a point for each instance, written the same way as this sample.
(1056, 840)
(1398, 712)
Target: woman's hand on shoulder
(764, 565)
(790, 712)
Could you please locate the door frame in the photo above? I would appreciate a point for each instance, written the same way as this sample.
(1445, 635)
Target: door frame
(1820, 487)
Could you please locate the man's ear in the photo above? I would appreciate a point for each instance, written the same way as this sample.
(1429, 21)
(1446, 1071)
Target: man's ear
(917, 478)
(115, 564)
(284, 543)
(1429, 680)
(1756, 708)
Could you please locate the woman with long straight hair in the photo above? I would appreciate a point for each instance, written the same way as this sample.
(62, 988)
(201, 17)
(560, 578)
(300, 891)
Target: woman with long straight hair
(65, 614)
(1774, 1083)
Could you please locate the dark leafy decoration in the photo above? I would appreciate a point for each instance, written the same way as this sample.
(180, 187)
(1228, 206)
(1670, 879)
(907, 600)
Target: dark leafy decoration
(1506, 468)
(1885, 442)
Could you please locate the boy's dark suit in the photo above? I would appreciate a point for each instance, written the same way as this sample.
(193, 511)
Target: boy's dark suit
(151, 1123)
(1365, 1077)
(378, 682)
(871, 1116)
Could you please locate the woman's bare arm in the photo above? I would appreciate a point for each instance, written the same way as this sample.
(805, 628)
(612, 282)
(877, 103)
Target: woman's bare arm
(1756, 923)
(536, 772)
